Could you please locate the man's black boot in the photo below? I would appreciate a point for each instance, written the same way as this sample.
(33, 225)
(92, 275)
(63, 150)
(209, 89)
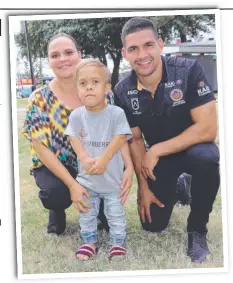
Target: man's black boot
(57, 222)
(197, 246)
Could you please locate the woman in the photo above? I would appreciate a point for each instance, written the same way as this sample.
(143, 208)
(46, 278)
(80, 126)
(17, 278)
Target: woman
(54, 164)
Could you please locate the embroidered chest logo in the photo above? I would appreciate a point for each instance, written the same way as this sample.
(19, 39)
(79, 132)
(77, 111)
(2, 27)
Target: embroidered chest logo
(204, 89)
(169, 84)
(173, 84)
(131, 92)
(178, 82)
(177, 96)
(135, 103)
(202, 84)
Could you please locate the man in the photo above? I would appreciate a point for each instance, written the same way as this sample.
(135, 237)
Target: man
(169, 102)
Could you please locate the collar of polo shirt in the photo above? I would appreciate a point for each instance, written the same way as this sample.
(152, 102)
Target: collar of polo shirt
(140, 87)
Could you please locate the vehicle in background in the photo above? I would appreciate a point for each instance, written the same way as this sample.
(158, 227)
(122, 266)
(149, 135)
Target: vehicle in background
(45, 80)
(24, 87)
(24, 91)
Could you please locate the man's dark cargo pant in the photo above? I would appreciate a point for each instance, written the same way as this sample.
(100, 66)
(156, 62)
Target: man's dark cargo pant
(202, 162)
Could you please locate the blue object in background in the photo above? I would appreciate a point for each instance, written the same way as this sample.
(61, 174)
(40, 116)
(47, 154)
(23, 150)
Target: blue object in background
(26, 90)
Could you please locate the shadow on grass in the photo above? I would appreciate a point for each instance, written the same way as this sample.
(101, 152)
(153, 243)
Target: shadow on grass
(71, 229)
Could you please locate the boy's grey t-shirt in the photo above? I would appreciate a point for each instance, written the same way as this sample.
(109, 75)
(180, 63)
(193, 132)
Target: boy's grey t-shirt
(95, 131)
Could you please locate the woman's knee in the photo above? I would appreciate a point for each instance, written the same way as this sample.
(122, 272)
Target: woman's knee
(55, 198)
(53, 193)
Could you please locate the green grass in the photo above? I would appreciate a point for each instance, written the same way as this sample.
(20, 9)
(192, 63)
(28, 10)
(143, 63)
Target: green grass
(22, 102)
(44, 253)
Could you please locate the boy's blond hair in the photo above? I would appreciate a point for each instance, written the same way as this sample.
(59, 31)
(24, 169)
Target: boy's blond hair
(95, 63)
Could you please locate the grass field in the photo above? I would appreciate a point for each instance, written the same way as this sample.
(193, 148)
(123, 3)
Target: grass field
(44, 253)
(22, 102)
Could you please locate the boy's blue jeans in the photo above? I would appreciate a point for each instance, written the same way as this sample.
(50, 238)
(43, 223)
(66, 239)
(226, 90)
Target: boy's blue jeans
(113, 210)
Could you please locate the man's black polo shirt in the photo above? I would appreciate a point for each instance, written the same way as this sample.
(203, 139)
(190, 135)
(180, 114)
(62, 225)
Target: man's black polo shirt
(165, 114)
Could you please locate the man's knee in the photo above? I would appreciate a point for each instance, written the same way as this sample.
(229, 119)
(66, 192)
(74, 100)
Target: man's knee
(155, 226)
(160, 218)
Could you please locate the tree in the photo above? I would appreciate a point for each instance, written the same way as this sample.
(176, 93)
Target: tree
(97, 37)
(181, 26)
(37, 64)
(100, 37)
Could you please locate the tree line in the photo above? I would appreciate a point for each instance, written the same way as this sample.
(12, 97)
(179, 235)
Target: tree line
(101, 37)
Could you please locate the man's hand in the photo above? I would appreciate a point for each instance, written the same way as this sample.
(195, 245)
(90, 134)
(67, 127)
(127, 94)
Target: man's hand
(149, 162)
(99, 166)
(76, 192)
(126, 184)
(145, 199)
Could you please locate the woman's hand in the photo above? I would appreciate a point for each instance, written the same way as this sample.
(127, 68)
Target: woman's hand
(77, 192)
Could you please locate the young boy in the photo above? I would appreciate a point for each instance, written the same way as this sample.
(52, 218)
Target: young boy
(96, 132)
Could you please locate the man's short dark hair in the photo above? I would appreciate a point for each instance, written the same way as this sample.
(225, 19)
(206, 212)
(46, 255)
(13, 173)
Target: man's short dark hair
(137, 24)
